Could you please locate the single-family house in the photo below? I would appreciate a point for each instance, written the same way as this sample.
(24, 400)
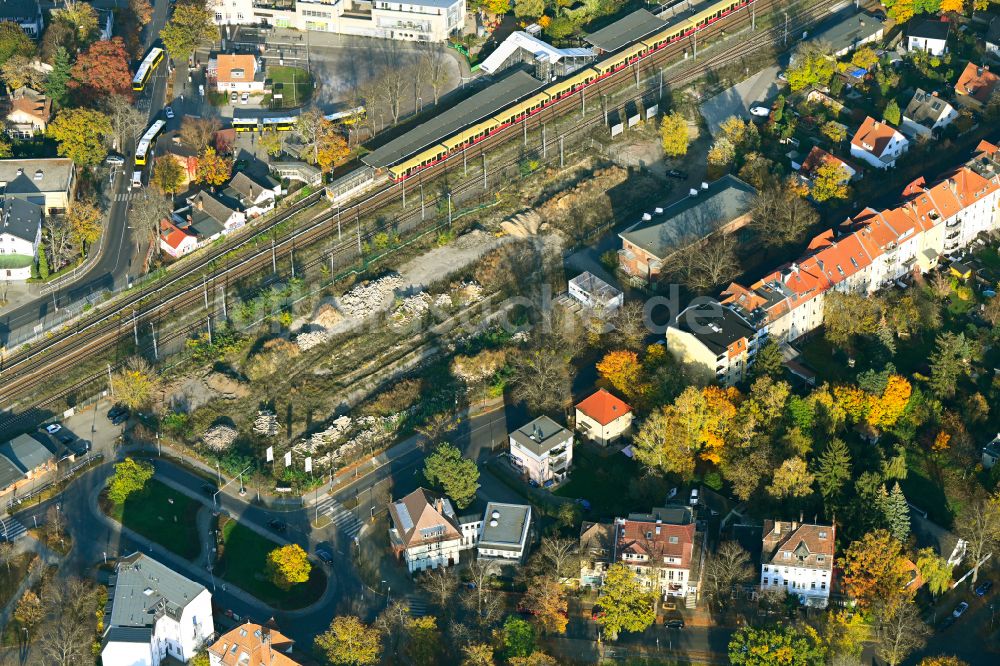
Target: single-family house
(255, 194)
(817, 158)
(153, 614)
(849, 30)
(797, 558)
(504, 534)
(20, 234)
(991, 452)
(720, 207)
(603, 418)
(975, 86)
(659, 548)
(26, 113)
(542, 450)
(714, 343)
(595, 294)
(926, 114)
(597, 552)
(25, 13)
(928, 35)
(185, 156)
(48, 181)
(22, 460)
(175, 241)
(427, 533)
(878, 143)
(239, 73)
(210, 215)
(251, 644)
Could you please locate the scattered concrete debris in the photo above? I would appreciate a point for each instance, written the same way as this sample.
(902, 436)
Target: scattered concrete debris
(219, 438)
(266, 423)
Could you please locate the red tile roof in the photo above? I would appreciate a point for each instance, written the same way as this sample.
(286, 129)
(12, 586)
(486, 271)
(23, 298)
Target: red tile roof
(804, 544)
(653, 540)
(604, 407)
(818, 157)
(874, 136)
(977, 81)
(171, 234)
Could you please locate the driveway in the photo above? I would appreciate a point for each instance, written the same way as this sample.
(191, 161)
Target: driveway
(759, 89)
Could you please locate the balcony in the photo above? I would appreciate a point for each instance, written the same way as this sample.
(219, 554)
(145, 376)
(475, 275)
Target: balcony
(951, 224)
(559, 465)
(953, 236)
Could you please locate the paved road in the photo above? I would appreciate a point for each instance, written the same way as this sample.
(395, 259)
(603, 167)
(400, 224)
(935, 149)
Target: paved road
(118, 262)
(758, 90)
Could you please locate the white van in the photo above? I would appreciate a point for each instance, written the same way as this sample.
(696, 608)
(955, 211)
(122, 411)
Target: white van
(136, 180)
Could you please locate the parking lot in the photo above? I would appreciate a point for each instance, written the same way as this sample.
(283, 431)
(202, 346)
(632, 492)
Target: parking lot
(760, 89)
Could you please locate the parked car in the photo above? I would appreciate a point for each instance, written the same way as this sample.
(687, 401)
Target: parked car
(760, 111)
(694, 497)
(234, 96)
(678, 174)
(984, 588)
(121, 417)
(674, 624)
(168, 112)
(114, 160)
(115, 411)
(325, 556)
(959, 609)
(245, 98)
(53, 428)
(277, 525)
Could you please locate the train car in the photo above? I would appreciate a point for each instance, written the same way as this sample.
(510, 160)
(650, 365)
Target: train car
(149, 63)
(421, 160)
(621, 59)
(668, 36)
(572, 84)
(279, 124)
(245, 124)
(520, 111)
(145, 145)
(712, 14)
(470, 136)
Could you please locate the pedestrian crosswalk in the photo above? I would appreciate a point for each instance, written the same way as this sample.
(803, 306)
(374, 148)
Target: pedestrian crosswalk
(345, 521)
(123, 196)
(11, 530)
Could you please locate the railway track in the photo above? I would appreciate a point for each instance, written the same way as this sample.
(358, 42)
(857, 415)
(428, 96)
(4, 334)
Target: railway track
(24, 372)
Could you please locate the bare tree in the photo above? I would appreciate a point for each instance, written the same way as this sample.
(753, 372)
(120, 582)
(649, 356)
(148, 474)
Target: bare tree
(558, 558)
(393, 79)
(710, 262)
(197, 133)
(441, 584)
(433, 66)
(781, 216)
(482, 599)
(54, 524)
(60, 234)
(899, 631)
(6, 553)
(127, 122)
(630, 325)
(728, 567)
(309, 125)
(146, 210)
(392, 623)
(541, 379)
(979, 525)
(435, 427)
(70, 625)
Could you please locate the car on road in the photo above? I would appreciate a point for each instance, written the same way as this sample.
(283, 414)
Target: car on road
(694, 497)
(114, 160)
(325, 556)
(245, 98)
(760, 111)
(674, 624)
(678, 174)
(984, 588)
(53, 428)
(959, 609)
(277, 525)
(168, 112)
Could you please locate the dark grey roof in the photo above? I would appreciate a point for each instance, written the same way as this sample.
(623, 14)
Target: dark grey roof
(247, 187)
(626, 30)
(925, 108)
(693, 218)
(540, 435)
(927, 29)
(26, 452)
(141, 635)
(31, 176)
(143, 590)
(21, 218)
(204, 224)
(217, 206)
(849, 29)
(18, 9)
(714, 325)
(993, 32)
(671, 515)
(483, 104)
(9, 473)
(511, 526)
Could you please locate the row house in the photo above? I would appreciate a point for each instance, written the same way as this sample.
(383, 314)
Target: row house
(659, 548)
(714, 343)
(797, 558)
(874, 248)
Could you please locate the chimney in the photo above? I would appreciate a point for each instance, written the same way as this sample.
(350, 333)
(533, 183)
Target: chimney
(198, 204)
(777, 527)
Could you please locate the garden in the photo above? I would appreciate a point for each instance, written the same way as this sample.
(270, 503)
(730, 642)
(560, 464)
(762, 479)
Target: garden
(291, 87)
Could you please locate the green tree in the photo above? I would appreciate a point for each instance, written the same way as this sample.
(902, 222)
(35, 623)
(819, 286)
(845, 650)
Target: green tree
(834, 131)
(892, 114)
(626, 605)
(349, 642)
(674, 134)
(834, 469)
(791, 479)
(81, 135)
(457, 476)
(530, 9)
(423, 640)
(949, 361)
(13, 42)
(271, 143)
(130, 477)
(830, 182)
(935, 570)
(213, 169)
(769, 362)
(477, 654)
(288, 565)
(43, 262)
(812, 67)
(57, 84)
(168, 175)
(518, 637)
(897, 514)
(781, 645)
(190, 25)
(85, 221)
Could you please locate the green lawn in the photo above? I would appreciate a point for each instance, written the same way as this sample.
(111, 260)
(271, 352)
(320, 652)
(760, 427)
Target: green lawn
(244, 563)
(163, 515)
(610, 483)
(295, 85)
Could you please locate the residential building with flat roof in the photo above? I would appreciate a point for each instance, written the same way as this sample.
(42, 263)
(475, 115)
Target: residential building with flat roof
(48, 182)
(505, 532)
(848, 30)
(714, 343)
(542, 450)
(595, 294)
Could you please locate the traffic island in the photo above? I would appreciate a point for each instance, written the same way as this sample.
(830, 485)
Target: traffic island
(160, 514)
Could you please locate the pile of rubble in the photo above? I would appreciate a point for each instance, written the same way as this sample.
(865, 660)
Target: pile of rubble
(219, 438)
(365, 300)
(310, 339)
(266, 423)
(320, 440)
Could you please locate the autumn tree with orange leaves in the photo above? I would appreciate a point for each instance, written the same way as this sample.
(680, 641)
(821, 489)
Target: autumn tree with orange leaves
(102, 70)
(213, 169)
(546, 599)
(874, 569)
(622, 370)
(879, 411)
